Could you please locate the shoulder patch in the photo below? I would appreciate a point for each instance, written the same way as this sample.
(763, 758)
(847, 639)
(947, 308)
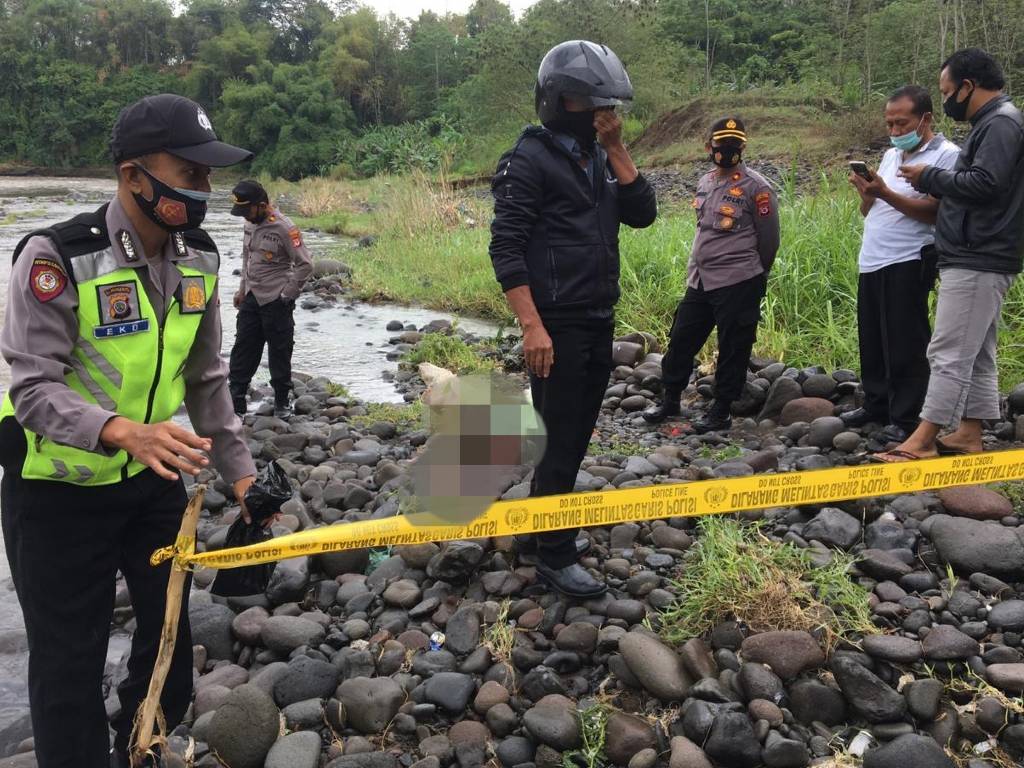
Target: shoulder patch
(296, 237)
(48, 280)
(764, 203)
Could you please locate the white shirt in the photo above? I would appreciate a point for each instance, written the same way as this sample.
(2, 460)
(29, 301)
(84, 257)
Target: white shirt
(891, 237)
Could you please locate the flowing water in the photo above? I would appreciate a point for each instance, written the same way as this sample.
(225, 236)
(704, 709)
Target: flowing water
(347, 343)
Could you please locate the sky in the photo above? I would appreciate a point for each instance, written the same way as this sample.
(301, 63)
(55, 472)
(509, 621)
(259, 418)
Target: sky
(412, 8)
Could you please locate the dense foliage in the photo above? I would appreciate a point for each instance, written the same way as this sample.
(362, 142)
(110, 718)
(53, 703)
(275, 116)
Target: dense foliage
(314, 84)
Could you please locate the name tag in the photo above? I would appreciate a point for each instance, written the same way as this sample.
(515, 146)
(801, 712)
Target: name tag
(120, 329)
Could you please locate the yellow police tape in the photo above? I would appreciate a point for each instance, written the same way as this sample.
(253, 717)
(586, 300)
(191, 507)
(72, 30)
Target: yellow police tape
(580, 510)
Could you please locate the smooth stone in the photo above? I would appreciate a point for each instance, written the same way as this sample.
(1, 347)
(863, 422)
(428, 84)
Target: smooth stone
(788, 653)
(244, 727)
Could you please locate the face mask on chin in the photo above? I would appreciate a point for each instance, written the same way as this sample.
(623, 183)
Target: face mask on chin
(172, 208)
(909, 141)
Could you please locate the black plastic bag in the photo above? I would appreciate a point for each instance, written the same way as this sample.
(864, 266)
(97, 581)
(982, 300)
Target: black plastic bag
(263, 499)
(271, 489)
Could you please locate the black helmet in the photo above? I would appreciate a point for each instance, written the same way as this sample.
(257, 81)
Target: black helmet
(588, 72)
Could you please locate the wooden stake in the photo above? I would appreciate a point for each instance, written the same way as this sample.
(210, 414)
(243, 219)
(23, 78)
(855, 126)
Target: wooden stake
(149, 714)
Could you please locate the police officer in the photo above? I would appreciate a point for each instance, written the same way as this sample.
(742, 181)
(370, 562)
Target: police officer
(734, 249)
(275, 265)
(560, 195)
(112, 322)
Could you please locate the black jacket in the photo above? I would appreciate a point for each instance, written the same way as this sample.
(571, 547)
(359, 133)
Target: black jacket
(980, 223)
(556, 231)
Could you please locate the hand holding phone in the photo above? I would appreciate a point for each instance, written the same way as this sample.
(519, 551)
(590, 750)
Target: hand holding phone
(860, 168)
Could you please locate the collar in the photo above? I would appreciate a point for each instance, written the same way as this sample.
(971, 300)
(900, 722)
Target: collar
(570, 145)
(735, 175)
(273, 217)
(989, 106)
(126, 244)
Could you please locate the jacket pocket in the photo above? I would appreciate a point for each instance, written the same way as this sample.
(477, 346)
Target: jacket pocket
(575, 272)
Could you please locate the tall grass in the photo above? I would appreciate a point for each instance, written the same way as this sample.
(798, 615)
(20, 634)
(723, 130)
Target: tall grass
(433, 251)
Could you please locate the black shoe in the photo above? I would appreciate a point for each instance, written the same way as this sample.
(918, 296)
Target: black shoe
(717, 419)
(240, 405)
(893, 434)
(526, 549)
(668, 409)
(281, 407)
(572, 581)
(858, 417)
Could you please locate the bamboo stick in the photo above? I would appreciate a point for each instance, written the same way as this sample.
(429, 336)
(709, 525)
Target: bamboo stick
(149, 715)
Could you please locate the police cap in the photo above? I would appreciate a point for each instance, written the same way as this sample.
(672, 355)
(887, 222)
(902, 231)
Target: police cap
(728, 129)
(245, 194)
(174, 124)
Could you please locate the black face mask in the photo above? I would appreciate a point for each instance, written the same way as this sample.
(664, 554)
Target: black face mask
(172, 208)
(579, 125)
(726, 155)
(957, 110)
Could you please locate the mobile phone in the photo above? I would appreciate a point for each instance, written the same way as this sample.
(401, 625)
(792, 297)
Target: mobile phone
(861, 169)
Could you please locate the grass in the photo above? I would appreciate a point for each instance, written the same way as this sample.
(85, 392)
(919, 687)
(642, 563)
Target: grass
(617, 446)
(338, 390)
(16, 216)
(593, 724)
(449, 352)
(721, 453)
(737, 571)
(1014, 491)
(500, 637)
(402, 416)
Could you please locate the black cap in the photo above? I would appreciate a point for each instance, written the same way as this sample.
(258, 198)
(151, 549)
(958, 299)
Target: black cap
(728, 129)
(245, 194)
(174, 124)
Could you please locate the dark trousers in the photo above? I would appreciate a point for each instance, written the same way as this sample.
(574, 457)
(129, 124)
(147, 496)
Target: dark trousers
(65, 545)
(272, 324)
(735, 311)
(893, 330)
(568, 401)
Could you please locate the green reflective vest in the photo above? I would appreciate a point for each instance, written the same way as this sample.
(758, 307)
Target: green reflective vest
(128, 358)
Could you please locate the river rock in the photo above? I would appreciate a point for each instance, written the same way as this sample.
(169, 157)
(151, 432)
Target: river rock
(811, 700)
(833, 527)
(824, 430)
(656, 666)
(894, 648)
(1007, 616)
(450, 690)
(211, 628)
(780, 752)
(370, 702)
(976, 502)
(462, 633)
(805, 409)
(787, 653)
(732, 742)
(365, 760)
(686, 754)
(1007, 677)
(296, 750)
(307, 678)
(289, 581)
(908, 751)
(971, 546)
(456, 561)
(923, 698)
(875, 701)
(946, 643)
(244, 728)
(248, 625)
(336, 564)
(580, 636)
(625, 735)
(626, 353)
(782, 391)
(286, 633)
(553, 721)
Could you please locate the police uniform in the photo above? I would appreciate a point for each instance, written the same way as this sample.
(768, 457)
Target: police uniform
(95, 329)
(734, 248)
(275, 266)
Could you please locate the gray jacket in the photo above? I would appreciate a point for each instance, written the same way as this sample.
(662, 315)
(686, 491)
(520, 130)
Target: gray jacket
(980, 223)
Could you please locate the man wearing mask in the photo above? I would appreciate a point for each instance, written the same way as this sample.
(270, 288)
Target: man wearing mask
(979, 236)
(560, 195)
(112, 322)
(897, 269)
(734, 249)
(275, 265)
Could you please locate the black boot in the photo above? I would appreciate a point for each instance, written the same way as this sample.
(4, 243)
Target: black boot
(859, 417)
(669, 409)
(572, 580)
(281, 408)
(526, 549)
(717, 419)
(239, 404)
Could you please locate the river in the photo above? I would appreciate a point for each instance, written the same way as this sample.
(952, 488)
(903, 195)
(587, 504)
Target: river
(347, 343)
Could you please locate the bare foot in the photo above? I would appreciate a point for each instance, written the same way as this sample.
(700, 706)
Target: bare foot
(958, 442)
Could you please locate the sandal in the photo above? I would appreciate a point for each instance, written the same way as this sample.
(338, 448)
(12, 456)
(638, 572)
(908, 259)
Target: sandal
(897, 455)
